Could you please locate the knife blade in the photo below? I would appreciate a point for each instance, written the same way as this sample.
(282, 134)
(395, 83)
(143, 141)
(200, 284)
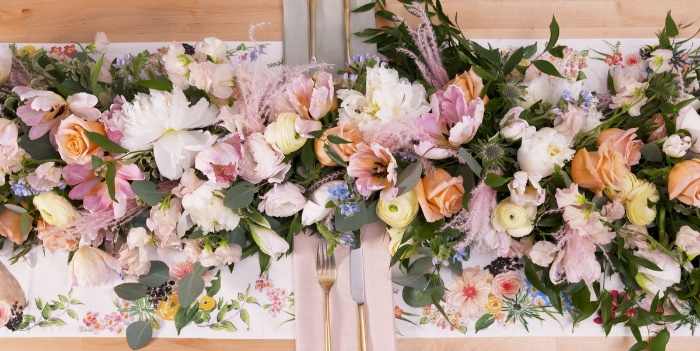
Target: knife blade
(357, 289)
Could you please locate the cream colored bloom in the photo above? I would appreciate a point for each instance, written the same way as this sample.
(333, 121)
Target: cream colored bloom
(269, 241)
(637, 203)
(55, 209)
(282, 133)
(676, 145)
(395, 236)
(543, 253)
(539, 153)
(400, 211)
(514, 219)
(93, 267)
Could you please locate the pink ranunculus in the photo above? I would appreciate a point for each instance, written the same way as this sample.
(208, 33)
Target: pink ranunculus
(44, 110)
(262, 161)
(375, 169)
(93, 189)
(219, 162)
(5, 313)
(313, 97)
(506, 284)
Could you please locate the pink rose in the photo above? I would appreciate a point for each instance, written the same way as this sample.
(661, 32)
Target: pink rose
(262, 161)
(624, 142)
(506, 284)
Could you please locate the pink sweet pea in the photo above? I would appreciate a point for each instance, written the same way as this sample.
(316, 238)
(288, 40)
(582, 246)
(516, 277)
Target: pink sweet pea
(44, 110)
(93, 189)
(375, 169)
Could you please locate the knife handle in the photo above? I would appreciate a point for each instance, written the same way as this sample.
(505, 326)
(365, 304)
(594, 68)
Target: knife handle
(312, 30)
(362, 327)
(346, 22)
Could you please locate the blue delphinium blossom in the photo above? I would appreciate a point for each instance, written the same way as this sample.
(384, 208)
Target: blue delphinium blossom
(347, 239)
(339, 192)
(568, 97)
(460, 255)
(349, 208)
(20, 188)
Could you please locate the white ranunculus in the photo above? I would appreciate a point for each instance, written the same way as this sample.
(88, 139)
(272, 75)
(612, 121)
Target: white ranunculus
(262, 161)
(546, 148)
(689, 119)
(229, 254)
(283, 200)
(269, 241)
(55, 209)
(688, 240)
(6, 58)
(513, 128)
(101, 43)
(656, 282)
(543, 253)
(166, 123)
(214, 79)
(11, 155)
(513, 219)
(676, 145)
(387, 98)
(315, 209)
(176, 64)
(205, 208)
(93, 267)
(400, 211)
(215, 48)
(525, 189)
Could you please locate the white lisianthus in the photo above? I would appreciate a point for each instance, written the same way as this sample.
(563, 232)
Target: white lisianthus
(205, 208)
(212, 78)
(93, 267)
(656, 282)
(262, 161)
(283, 200)
(315, 209)
(229, 253)
(676, 145)
(101, 43)
(513, 219)
(400, 211)
(637, 203)
(282, 133)
(660, 60)
(176, 64)
(689, 119)
(543, 253)
(513, 128)
(268, 240)
(55, 209)
(546, 148)
(6, 58)
(387, 98)
(525, 189)
(215, 48)
(688, 240)
(166, 123)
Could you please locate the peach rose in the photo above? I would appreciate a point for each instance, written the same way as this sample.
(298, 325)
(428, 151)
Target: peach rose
(624, 142)
(439, 194)
(346, 132)
(73, 143)
(9, 225)
(598, 170)
(471, 84)
(684, 182)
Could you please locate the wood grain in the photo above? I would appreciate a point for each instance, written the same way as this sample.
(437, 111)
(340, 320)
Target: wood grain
(191, 20)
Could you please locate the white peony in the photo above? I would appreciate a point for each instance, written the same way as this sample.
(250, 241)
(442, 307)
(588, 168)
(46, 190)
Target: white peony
(543, 253)
(315, 209)
(525, 189)
(676, 145)
(214, 79)
(387, 98)
(283, 200)
(166, 123)
(546, 148)
(176, 64)
(205, 208)
(656, 282)
(688, 240)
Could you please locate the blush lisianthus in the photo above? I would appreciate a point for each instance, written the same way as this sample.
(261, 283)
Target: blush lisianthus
(375, 169)
(176, 64)
(166, 123)
(214, 79)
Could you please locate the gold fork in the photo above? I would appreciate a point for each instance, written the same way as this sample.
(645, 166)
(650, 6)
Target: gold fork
(325, 271)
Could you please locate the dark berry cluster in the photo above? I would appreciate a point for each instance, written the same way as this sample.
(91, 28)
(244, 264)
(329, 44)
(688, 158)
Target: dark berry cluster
(160, 293)
(503, 264)
(16, 317)
(189, 49)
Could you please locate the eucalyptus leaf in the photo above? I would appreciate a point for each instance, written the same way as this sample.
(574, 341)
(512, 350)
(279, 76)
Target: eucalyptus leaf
(157, 275)
(147, 191)
(416, 297)
(417, 281)
(239, 196)
(138, 334)
(189, 288)
(408, 179)
(652, 153)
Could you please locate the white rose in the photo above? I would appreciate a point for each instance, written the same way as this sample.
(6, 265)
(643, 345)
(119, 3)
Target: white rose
(513, 128)
(688, 240)
(262, 161)
(689, 120)
(137, 238)
(546, 148)
(315, 209)
(269, 241)
(101, 43)
(215, 48)
(656, 282)
(205, 208)
(55, 209)
(176, 64)
(282, 133)
(6, 58)
(543, 253)
(212, 78)
(400, 211)
(229, 254)
(93, 267)
(283, 200)
(676, 145)
(525, 189)
(513, 219)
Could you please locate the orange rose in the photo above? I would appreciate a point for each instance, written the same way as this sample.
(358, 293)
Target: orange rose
(684, 182)
(439, 194)
(598, 170)
(346, 132)
(73, 143)
(624, 142)
(471, 85)
(10, 225)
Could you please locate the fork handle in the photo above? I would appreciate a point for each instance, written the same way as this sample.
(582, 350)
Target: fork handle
(362, 327)
(328, 322)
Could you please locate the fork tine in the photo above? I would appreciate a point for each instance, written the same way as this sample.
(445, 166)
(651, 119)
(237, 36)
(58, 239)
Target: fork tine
(326, 263)
(319, 260)
(332, 265)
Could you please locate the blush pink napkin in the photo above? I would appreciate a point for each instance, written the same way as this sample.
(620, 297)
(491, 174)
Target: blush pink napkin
(379, 303)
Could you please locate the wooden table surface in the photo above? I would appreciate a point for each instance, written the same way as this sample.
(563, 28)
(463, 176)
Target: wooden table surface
(191, 20)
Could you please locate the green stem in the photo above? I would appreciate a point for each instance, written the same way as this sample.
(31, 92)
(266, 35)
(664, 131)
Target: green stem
(663, 237)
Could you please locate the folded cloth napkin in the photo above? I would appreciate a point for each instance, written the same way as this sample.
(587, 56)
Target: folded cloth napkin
(379, 303)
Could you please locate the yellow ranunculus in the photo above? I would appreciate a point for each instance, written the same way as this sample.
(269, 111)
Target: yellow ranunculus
(283, 133)
(638, 210)
(513, 219)
(55, 209)
(168, 308)
(400, 211)
(395, 234)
